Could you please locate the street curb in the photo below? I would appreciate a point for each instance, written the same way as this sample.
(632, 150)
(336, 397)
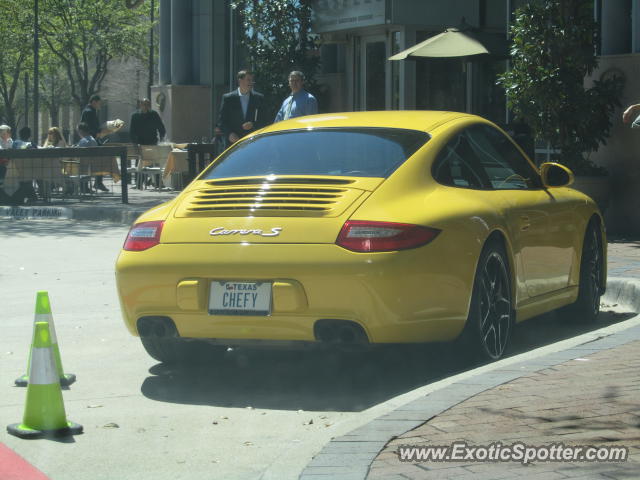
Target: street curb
(24, 213)
(123, 215)
(350, 456)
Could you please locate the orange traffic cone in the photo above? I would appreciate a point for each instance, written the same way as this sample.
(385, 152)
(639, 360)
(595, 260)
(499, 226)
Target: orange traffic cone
(44, 413)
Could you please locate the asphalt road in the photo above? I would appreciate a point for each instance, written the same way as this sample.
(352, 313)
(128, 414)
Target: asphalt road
(255, 414)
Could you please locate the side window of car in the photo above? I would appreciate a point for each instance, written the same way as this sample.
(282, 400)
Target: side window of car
(457, 165)
(505, 167)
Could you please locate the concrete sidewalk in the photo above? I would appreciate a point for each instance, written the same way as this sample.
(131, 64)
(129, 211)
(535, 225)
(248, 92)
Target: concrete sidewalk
(586, 394)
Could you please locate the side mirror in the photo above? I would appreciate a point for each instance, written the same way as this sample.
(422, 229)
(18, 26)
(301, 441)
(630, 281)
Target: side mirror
(555, 175)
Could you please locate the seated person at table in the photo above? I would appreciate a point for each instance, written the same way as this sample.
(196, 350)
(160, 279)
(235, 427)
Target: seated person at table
(24, 139)
(25, 192)
(86, 140)
(54, 138)
(5, 142)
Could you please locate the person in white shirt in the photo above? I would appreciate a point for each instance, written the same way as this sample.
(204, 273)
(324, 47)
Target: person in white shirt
(242, 111)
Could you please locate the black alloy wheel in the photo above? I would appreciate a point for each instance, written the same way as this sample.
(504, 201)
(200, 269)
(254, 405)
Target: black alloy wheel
(490, 320)
(587, 306)
(592, 269)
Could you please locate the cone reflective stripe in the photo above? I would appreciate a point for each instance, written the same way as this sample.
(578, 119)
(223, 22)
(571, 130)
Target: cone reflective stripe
(45, 375)
(44, 413)
(43, 314)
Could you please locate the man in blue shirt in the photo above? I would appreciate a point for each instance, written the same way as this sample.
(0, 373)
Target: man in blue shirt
(24, 139)
(300, 102)
(86, 139)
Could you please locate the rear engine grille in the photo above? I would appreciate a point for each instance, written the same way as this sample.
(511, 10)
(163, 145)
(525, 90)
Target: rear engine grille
(258, 198)
(283, 180)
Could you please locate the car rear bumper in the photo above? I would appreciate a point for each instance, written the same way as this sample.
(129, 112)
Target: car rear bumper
(414, 295)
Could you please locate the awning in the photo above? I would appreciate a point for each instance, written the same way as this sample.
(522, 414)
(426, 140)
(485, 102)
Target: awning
(450, 43)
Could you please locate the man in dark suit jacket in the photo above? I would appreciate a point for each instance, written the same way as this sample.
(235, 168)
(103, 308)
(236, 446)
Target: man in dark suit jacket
(242, 110)
(89, 115)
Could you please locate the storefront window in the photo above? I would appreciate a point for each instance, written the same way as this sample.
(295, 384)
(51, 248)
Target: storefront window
(489, 99)
(615, 26)
(357, 73)
(375, 75)
(440, 82)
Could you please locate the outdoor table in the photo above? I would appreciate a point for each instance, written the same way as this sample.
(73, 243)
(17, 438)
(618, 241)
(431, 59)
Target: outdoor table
(153, 156)
(152, 163)
(21, 170)
(133, 152)
(93, 166)
(48, 165)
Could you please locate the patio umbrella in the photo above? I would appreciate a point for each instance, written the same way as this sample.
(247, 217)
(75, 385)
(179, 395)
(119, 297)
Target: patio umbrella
(451, 43)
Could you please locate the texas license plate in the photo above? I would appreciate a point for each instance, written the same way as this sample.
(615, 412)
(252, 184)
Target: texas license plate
(240, 298)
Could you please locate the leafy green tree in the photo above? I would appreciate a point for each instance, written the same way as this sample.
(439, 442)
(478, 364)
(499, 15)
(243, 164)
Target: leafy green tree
(16, 54)
(55, 91)
(278, 39)
(86, 35)
(553, 50)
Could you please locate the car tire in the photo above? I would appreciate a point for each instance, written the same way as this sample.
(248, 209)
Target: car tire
(489, 324)
(587, 306)
(174, 351)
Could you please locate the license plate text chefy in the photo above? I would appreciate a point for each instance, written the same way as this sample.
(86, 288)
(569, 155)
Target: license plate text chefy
(240, 298)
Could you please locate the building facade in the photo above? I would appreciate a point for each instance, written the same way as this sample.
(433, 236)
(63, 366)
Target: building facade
(619, 51)
(200, 53)
(360, 36)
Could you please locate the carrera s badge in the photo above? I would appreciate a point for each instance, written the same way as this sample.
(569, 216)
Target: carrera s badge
(275, 231)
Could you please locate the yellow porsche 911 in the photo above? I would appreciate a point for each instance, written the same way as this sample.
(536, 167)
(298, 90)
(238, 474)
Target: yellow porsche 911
(357, 229)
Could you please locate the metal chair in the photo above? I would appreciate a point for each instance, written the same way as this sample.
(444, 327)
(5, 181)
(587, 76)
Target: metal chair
(77, 184)
(151, 166)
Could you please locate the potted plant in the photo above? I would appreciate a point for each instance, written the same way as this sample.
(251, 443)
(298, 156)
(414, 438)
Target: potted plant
(553, 50)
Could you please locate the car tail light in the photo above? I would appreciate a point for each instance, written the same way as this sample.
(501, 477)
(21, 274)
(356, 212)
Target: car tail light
(365, 236)
(143, 235)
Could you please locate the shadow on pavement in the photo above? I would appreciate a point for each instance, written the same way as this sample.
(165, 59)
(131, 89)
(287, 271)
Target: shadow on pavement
(332, 381)
(612, 427)
(314, 380)
(554, 327)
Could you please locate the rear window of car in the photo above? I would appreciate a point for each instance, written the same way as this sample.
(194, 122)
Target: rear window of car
(354, 152)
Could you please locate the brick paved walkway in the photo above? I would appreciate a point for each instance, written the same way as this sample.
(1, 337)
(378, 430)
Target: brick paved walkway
(588, 394)
(579, 402)
(624, 258)
(595, 401)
